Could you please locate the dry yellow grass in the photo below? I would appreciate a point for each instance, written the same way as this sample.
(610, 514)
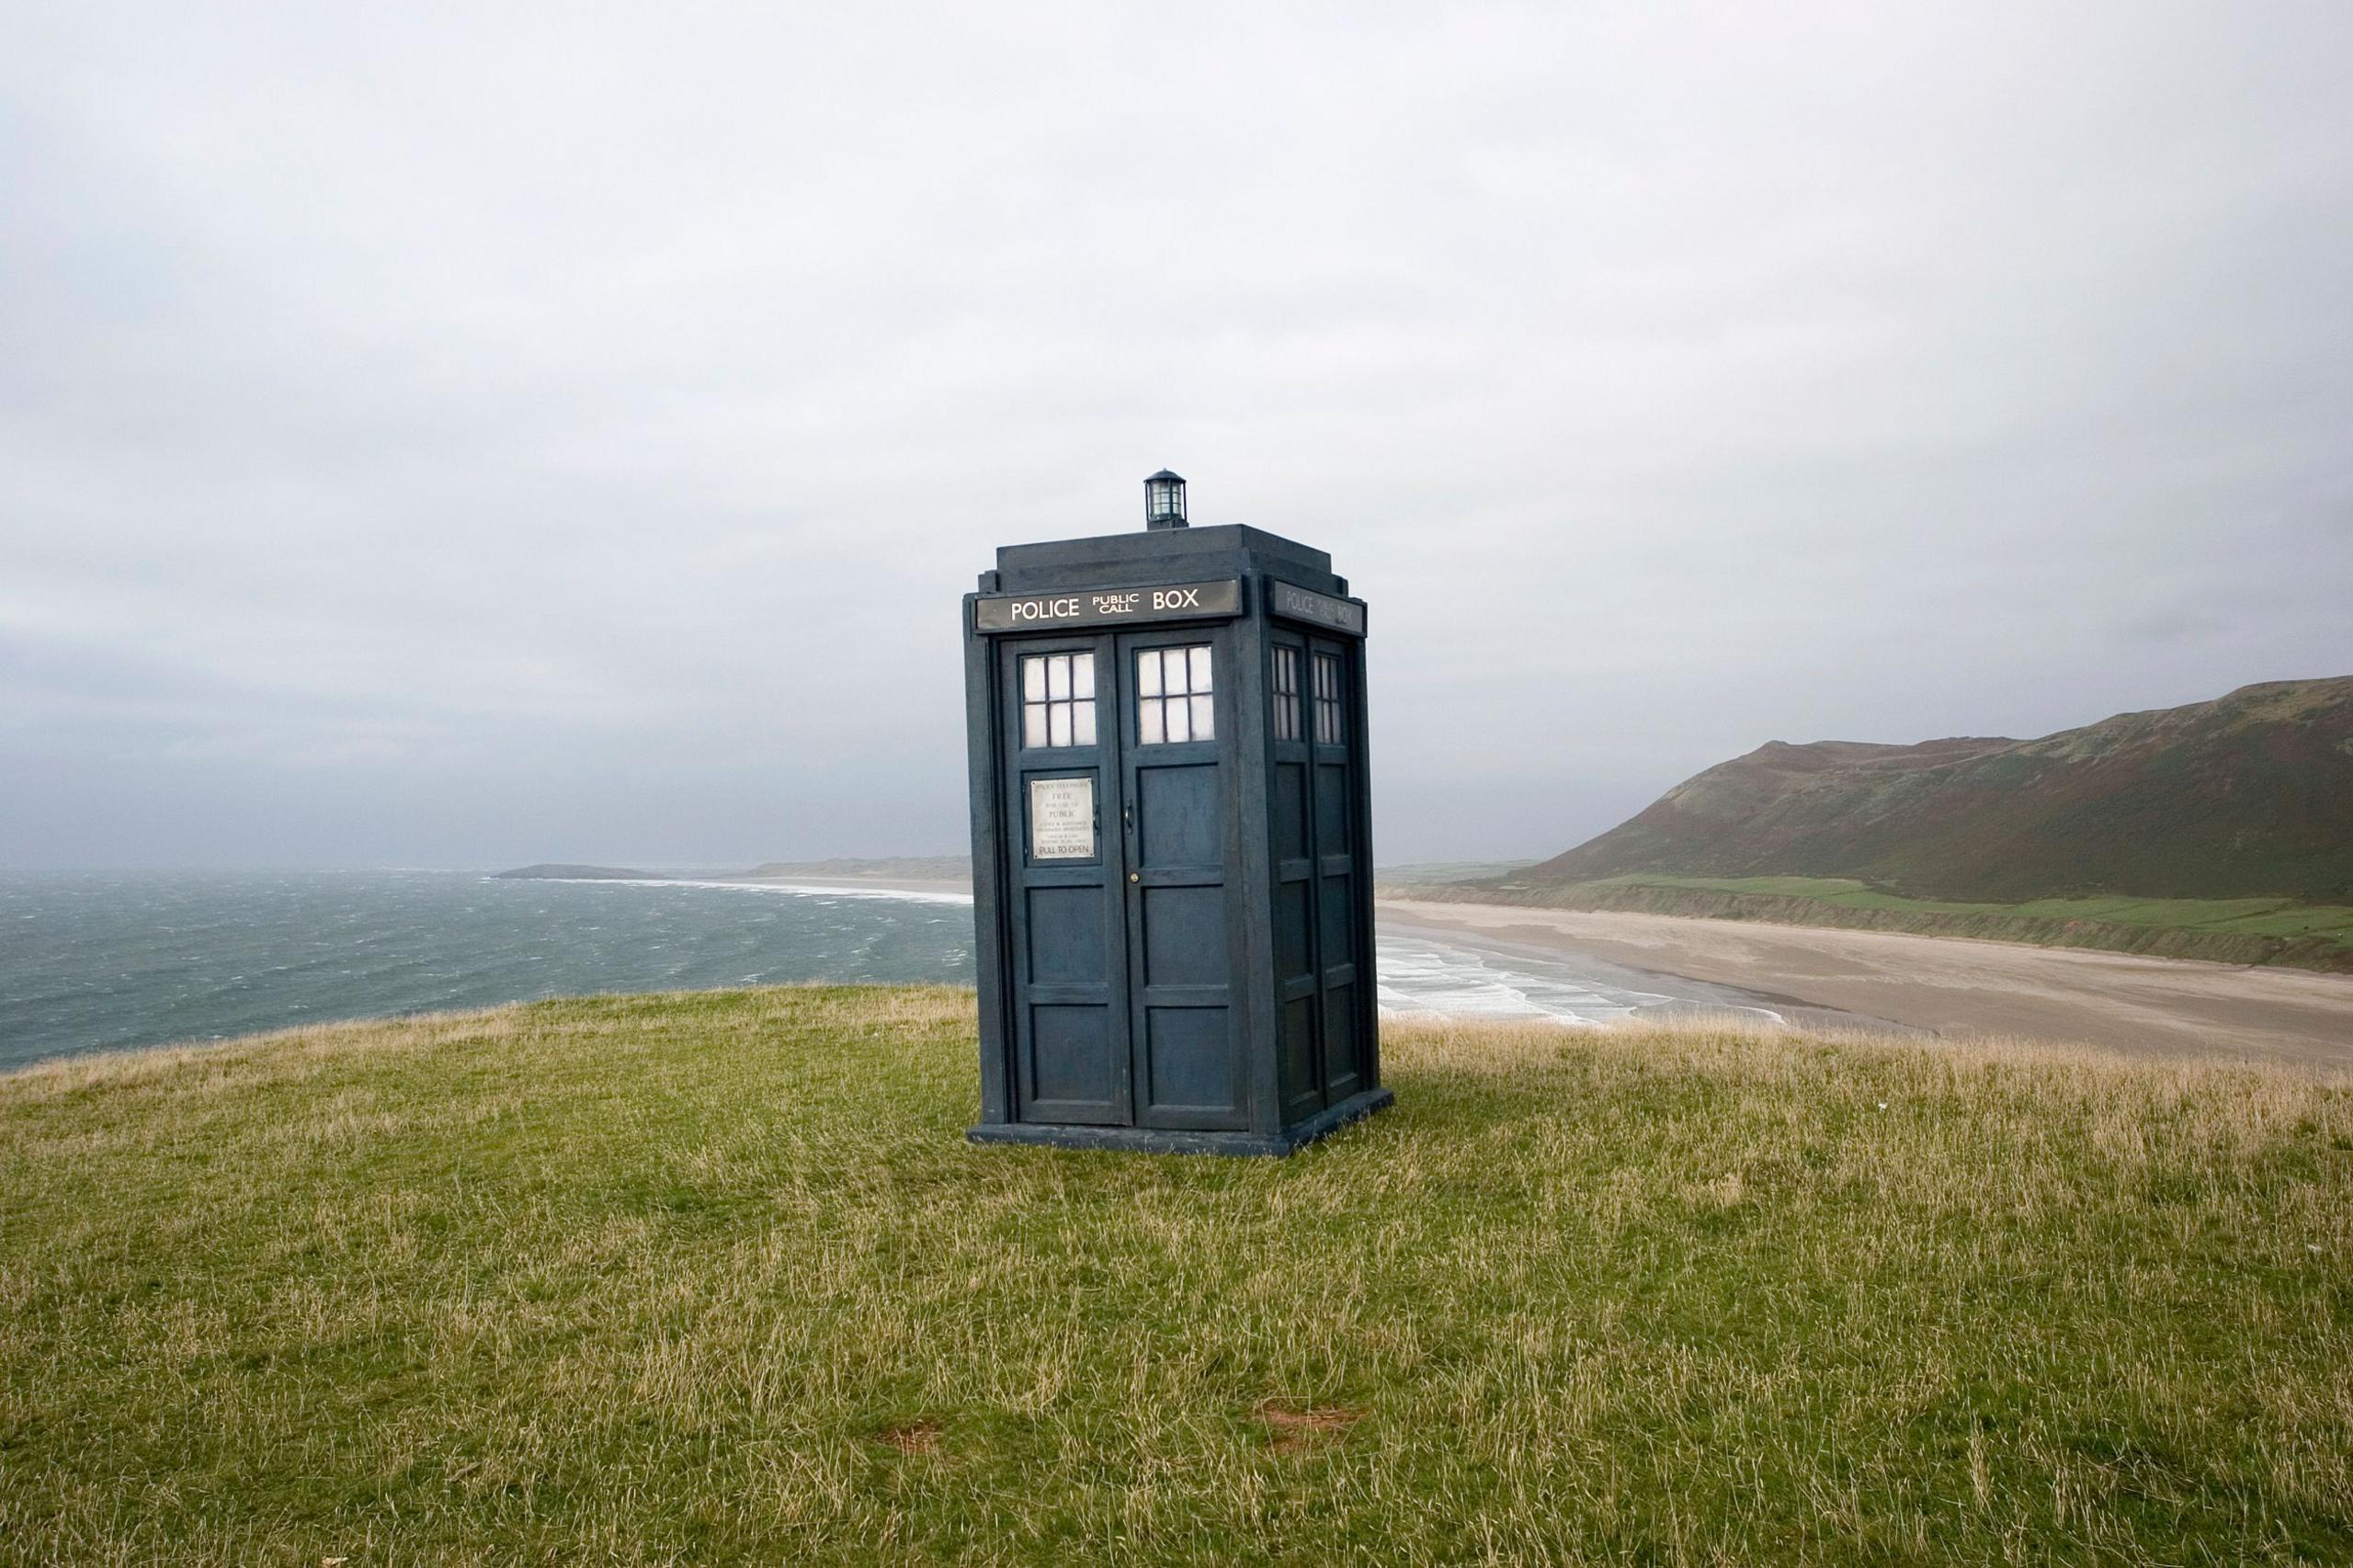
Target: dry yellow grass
(714, 1278)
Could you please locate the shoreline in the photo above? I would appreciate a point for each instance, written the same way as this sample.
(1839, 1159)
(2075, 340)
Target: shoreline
(1949, 987)
(1825, 977)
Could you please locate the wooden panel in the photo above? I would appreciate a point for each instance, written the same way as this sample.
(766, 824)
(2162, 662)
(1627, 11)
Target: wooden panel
(1066, 941)
(1342, 1074)
(1331, 809)
(1292, 957)
(1290, 810)
(1303, 1084)
(1192, 1065)
(1075, 1055)
(1184, 936)
(1338, 899)
(1176, 817)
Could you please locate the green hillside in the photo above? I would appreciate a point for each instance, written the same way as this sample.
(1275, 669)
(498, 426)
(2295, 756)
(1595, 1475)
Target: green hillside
(2249, 796)
(715, 1278)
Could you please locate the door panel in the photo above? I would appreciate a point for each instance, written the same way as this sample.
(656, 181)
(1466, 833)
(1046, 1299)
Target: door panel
(1315, 902)
(1187, 1067)
(1177, 814)
(1070, 1023)
(1184, 936)
(1331, 733)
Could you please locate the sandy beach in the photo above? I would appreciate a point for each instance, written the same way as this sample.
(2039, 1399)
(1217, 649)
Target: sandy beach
(1948, 986)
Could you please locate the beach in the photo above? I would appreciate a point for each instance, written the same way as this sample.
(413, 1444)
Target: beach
(1947, 986)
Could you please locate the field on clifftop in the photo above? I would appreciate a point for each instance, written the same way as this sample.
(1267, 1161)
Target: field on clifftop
(713, 1278)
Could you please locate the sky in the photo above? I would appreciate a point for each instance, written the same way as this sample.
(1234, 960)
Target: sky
(464, 436)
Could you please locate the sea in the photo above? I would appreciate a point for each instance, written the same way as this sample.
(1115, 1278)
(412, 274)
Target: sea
(115, 962)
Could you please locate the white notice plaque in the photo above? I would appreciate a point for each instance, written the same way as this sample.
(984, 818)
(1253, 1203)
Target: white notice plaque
(1062, 819)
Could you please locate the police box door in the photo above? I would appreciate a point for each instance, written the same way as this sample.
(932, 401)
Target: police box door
(1318, 879)
(1176, 738)
(1114, 758)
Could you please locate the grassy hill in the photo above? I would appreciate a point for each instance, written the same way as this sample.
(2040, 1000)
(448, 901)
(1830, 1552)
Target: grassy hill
(2222, 830)
(714, 1278)
(2249, 796)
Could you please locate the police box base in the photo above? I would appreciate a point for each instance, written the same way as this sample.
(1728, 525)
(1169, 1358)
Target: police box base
(1166, 1140)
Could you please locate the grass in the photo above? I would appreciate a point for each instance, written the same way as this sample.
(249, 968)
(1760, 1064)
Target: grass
(2234, 930)
(2262, 917)
(713, 1278)
(2232, 916)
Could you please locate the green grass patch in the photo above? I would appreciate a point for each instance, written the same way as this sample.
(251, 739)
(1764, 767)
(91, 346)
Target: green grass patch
(2229, 916)
(715, 1278)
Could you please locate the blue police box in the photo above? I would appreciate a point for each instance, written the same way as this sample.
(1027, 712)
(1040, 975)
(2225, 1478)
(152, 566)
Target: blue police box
(1172, 858)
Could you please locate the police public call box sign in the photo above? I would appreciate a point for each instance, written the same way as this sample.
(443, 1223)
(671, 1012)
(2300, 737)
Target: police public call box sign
(1172, 601)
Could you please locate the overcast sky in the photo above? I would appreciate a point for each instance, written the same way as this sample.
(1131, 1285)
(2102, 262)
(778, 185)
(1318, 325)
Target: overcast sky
(468, 435)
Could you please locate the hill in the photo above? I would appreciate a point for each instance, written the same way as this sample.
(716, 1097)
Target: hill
(549, 870)
(715, 1278)
(2247, 796)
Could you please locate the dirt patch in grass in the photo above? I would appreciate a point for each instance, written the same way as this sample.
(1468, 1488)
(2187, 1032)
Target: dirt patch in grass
(911, 1437)
(1296, 1428)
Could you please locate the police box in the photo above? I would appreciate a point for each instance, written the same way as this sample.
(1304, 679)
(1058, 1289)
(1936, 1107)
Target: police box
(1171, 849)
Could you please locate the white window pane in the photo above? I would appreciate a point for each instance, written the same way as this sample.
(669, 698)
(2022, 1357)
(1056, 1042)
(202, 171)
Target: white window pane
(1083, 676)
(1180, 725)
(1148, 721)
(1033, 678)
(1058, 675)
(1060, 714)
(1148, 672)
(1083, 722)
(1033, 724)
(1200, 657)
(1204, 721)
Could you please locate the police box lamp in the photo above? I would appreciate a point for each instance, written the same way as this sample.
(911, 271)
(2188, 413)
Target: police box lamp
(1172, 849)
(1163, 501)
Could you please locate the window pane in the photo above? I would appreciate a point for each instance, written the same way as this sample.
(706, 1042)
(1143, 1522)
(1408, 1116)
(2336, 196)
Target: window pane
(1148, 721)
(1200, 657)
(1083, 676)
(1058, 675)
(1033, 678)
(1058, 712)
(1033, 724)
(1148, 672)
(1083, 722)
(1179, 723)
(1204, 719)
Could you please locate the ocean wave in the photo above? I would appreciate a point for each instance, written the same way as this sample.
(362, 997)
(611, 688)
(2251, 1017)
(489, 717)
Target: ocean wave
(804, 889)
